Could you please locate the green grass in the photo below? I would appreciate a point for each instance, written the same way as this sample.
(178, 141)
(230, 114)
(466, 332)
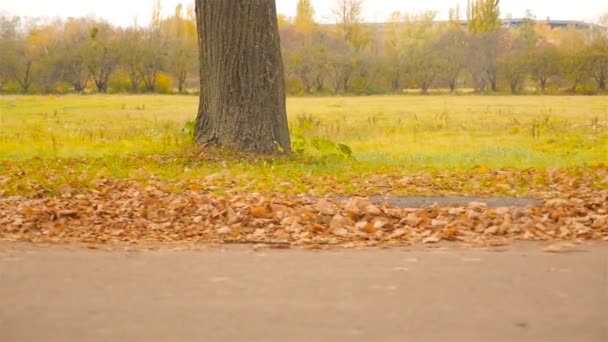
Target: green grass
(59, 140)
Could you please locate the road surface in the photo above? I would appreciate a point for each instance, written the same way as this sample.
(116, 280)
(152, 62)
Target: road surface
(518, 293)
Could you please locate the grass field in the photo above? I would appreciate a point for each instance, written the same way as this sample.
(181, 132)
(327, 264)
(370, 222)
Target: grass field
(60, 140)
(124, 170)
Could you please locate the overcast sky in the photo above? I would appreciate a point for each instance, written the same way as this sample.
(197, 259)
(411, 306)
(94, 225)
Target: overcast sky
(123, 12)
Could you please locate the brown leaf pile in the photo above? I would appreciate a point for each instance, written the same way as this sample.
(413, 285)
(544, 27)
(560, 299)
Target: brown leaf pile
(124, 212)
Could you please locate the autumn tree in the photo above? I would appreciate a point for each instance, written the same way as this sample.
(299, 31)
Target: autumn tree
(514, 69)
(483, 16)
(305, 47)
(596, 61)
(305, 17)
(347, 14)
(484, 26)
(451, 47)
(515, 63)
(242, 99)
(131, 55)
(154, 51)
(306, 59)
(103, 57)
(393, 51)
(182, 45)
(22, 53)
(544, 64)
(419, 50)
(71, 58)
(347, 57)
(485, 51)
(344, 61)
(572, 57)
(10, 41)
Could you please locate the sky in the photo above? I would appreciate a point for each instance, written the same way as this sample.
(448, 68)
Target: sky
(123, 12)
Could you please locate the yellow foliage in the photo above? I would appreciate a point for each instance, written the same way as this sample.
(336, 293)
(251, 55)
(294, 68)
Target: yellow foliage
(119, 82)
(163, 83)
(294, 85)
(62, 87)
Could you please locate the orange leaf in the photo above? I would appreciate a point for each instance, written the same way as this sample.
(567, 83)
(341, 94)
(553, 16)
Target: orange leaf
(260, 212)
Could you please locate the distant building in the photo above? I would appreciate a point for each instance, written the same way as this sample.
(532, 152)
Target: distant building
(512, 23)
(554, 24)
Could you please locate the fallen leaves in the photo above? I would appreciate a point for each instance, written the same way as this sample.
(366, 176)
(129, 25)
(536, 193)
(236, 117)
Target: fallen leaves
(135, 214)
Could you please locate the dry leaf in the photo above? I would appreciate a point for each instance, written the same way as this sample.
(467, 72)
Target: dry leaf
(431, 239)
(260, 212)
(325, 207)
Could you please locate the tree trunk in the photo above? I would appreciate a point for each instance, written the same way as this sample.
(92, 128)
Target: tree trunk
(424, 88)
(395, 85)
(514, 85)
(602, 82)
(543, 84)
(181, 81)
(494, 83)
(102, 85)
(242, 99)
(25, 80)
(319, 83)
(345, 84)
(452, 85)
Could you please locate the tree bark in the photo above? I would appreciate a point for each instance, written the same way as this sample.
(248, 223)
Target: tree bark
(242, 99)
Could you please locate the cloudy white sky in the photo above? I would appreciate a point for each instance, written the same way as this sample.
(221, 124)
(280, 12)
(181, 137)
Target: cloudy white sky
(123, 12)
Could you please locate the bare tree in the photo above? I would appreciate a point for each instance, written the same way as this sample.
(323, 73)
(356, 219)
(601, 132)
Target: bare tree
(348, 17)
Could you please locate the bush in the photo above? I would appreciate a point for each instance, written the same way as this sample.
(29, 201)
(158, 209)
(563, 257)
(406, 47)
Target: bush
(587, 89)
(294, 86)
(119, 83)
(11, 87)
(163, 84)
(61, 88)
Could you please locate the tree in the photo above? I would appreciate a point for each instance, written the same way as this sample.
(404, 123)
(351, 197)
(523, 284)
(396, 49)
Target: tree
(154, 51)
(242, 99)
(393, 50)
(345, 52)
(23, 58)
(154, 58)
(182, 59)
(306, 59)
(421, 59)
(131, 55)
(485, 50)
(484, 24)
(103, 55)
(596, 61)
(305, 50)
(451, 49)
(544, 64)
(514, 69)
(514, 65)
(70, 61)
(572, 50)
(9, 42)
(483, 15)
(348, 19)
(305, 17)
(344, 62)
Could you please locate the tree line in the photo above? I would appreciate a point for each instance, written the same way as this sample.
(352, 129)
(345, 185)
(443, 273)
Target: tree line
(349, 56)
(88, 54)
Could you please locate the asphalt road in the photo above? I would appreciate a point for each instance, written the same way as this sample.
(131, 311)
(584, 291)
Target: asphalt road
(519, 293)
